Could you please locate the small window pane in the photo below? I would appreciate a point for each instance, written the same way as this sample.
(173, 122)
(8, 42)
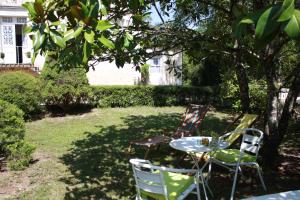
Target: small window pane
(22, 20)
(156, 61)
(7, 19)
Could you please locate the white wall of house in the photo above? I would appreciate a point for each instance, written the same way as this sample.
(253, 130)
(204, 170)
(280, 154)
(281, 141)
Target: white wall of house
(13, 42)
(107, 73)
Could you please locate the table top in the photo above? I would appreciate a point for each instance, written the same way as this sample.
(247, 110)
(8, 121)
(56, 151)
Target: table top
(193, 144)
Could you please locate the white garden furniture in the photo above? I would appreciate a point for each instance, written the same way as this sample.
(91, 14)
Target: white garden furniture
(233, 159)
(163, 183)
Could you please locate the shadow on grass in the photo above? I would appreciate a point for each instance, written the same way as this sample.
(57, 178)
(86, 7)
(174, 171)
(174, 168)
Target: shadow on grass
(99, 164)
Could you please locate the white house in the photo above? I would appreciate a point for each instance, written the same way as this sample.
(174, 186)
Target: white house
(17, 46)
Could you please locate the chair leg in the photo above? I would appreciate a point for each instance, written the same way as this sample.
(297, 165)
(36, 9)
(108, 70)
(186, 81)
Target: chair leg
(197, 186)
(261, 177)
(234, 181)
(147, 152)
(209, 170)
(203, 185)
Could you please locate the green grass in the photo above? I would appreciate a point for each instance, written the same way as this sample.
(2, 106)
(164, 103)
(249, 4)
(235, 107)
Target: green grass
(84, 156)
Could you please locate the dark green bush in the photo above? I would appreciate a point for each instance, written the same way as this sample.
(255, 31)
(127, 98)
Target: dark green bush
(64, 88)
(12, 130)
(125, 96)
(21, 89)
(12, 126)
(19, 155)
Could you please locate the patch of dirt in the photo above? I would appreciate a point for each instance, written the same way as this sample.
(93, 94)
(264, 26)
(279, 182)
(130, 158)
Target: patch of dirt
(14, 182)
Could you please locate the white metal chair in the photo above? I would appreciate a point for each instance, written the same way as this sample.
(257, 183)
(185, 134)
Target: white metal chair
(163, 183)
(233, 159)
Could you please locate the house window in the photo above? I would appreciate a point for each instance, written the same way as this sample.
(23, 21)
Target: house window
(156, 65)
(7, 19)
(22, 20)
(156, 61)
(8, 38)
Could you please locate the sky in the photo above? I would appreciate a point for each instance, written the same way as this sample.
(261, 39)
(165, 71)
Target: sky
(155, 19)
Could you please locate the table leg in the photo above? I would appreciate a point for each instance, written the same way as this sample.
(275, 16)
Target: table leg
(200, 173)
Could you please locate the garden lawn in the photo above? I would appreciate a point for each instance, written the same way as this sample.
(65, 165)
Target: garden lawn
(84, 156)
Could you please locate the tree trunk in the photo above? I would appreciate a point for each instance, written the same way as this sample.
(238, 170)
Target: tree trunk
(289, 104)
(242, 79)
(276, 119)
(271, 139)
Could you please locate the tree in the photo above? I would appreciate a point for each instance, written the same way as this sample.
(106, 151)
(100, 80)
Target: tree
(275, 25)
(89, 31)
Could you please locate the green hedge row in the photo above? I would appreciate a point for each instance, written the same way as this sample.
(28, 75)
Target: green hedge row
(125, 96)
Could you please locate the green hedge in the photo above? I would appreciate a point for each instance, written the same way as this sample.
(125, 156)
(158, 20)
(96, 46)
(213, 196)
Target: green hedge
(23, 90)
(125, 96)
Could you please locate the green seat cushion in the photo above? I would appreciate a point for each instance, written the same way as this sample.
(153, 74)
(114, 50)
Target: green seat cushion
(176, 184)
(231, 156)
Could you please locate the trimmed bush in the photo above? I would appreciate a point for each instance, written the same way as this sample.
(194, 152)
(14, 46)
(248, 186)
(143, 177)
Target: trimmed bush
(12, 130)
(125, 96)
(21, 89)
(12, 126)
(64, 88)
(19, 155)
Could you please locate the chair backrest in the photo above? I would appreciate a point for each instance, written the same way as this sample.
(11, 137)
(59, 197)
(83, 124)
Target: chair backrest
(191, 120)
(246, 122)
(251, 143)
(148, 177)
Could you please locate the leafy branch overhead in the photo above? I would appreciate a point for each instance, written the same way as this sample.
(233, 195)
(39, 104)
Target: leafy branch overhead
(269, 22)
(89, 31)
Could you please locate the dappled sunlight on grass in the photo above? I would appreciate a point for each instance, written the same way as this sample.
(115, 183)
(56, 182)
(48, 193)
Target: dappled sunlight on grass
(100, 161)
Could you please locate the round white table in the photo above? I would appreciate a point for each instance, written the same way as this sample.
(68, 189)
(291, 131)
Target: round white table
(194, 145)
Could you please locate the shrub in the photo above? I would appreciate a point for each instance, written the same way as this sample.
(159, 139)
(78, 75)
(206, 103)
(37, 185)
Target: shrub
(145, 74)
(21, 89)
(124, 96)
(257, 93)
(64, 88)
(12, 126)
(19, 155)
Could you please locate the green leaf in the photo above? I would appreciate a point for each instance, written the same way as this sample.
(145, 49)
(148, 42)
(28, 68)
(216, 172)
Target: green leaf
(103, 9)
(87, 51)
(57, 39)
(78, 31)
(287, 10)
(34, 55)
(239, 30)
(126, 42)
(89, 36)
(69, 35)
(292, 27)
(27, 29)
(104, 25)
(56, 23)
(84, 10)
(38, 7)
(106, 42)
(38, 40)
(30, 8)
(266, 25)
(129, 36)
